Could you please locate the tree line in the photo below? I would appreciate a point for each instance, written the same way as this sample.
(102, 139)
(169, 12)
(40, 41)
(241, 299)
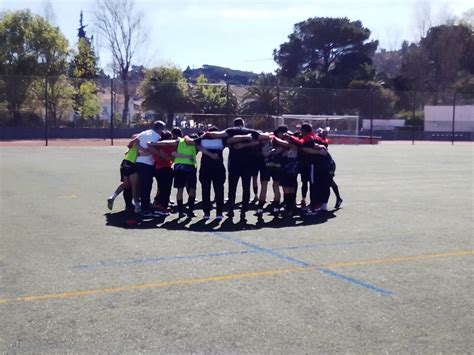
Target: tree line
(326, 66)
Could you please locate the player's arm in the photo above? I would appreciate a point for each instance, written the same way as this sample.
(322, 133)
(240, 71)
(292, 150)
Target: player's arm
(246, 144)
(208, 153)
(215, 135)
(316, 149)
(166, 143)
(237, 139)
(281, 142)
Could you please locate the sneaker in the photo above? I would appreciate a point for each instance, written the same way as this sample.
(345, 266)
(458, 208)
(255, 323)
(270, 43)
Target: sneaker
(338, 203)
(148, 213)
(259, 212)
(110, 203)
(137, 208)
(312, 211)
(255, 199)
(324, 207)
(219, 217)
(190, 214)
(230, 214)
(276, 210)
(161, 212)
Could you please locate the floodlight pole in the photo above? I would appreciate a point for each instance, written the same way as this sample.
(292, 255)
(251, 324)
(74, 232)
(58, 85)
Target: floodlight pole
(413, 118)
(112, 111)
(46, 111)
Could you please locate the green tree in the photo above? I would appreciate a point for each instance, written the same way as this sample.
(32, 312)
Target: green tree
(212, 98)
(324, 52)
(30, 47)
(60, 93)
(164, 90)
(87, 102)
(84, 63)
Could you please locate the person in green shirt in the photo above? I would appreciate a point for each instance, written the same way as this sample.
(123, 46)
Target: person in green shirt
(129, 181)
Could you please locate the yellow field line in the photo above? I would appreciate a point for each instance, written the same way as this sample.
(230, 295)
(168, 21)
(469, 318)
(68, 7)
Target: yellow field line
(397, 259)
(159, 284)
(199, 280)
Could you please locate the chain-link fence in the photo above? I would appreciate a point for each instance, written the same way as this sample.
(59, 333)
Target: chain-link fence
(61, 107)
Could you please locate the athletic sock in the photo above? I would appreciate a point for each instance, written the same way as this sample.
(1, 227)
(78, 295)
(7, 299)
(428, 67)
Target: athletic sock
(191, 200)
(180, 206)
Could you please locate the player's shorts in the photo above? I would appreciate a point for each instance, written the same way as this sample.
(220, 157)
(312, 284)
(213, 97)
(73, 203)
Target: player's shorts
(185, 177)
(256, 165)
(305, 171)
(275, 173)
(288, 180)
(127, 168)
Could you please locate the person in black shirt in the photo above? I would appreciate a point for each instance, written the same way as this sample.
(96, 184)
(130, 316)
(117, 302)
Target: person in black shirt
(239, 162)
(213, 172)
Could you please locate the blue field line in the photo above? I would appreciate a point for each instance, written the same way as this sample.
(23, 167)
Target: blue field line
(158, 259)
(260, 249)
(357, 282)
(123, 263)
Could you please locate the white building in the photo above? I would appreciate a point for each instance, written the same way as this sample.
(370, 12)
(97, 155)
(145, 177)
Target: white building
(440, 118)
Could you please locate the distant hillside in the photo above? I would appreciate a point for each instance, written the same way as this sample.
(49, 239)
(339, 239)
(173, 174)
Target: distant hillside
(217, 74)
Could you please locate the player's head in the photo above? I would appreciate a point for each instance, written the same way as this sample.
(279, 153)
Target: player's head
(165, 135)
(306, 128)
(239, 122)
(280, 130)
(159, 126)
(176, 133)
(213, 129)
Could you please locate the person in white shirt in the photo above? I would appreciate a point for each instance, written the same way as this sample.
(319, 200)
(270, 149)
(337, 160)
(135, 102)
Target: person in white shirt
(145, 164)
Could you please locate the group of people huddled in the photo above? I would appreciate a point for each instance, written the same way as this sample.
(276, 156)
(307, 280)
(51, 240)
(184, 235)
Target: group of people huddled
(279, 156)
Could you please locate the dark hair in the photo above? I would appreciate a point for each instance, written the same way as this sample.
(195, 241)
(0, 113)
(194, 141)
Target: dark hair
(177, 132)
(282, 129)
(159, 125)
(213, 129)
(193, 136)
(200, 133)
(165, 135)
(306, 128)
(239, 122)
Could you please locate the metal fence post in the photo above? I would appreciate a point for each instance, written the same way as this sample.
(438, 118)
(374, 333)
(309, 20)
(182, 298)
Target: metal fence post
(46, 111)
(371, 100)
(278, 107)
(413, 118)
(227, 103)
(454, 116)
(112, 111)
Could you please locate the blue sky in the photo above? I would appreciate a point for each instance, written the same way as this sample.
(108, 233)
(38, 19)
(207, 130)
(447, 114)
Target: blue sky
(241, 34)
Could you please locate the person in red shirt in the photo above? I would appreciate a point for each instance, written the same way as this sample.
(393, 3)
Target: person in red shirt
(164, 174)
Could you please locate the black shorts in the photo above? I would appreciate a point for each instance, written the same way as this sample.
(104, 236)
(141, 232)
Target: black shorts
(274, 173)
(127, 168)
(287, 180)
(257, 165)
(185, 178)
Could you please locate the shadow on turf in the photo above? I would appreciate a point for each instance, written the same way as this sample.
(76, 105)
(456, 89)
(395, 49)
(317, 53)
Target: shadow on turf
(130, 220)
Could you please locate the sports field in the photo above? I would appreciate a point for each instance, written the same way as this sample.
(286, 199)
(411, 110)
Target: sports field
(391, 271)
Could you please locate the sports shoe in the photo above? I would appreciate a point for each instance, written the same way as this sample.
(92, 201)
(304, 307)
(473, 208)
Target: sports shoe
(190, 214)
(206, 217)
(137, 209)
(338, 203)
(161, 212)
(148, 213)
(230, 213)
(255, 199)
(219, 217)
(110, 203)
(324, 207)
(259, 212)
(312, 211)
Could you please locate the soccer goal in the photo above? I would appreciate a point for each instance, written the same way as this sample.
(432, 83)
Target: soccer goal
(343, 129)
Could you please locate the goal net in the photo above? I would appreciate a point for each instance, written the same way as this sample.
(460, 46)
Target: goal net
(342, 129)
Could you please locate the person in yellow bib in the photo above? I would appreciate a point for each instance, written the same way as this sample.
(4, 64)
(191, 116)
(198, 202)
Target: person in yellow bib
(129, 182)
(185, 175)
